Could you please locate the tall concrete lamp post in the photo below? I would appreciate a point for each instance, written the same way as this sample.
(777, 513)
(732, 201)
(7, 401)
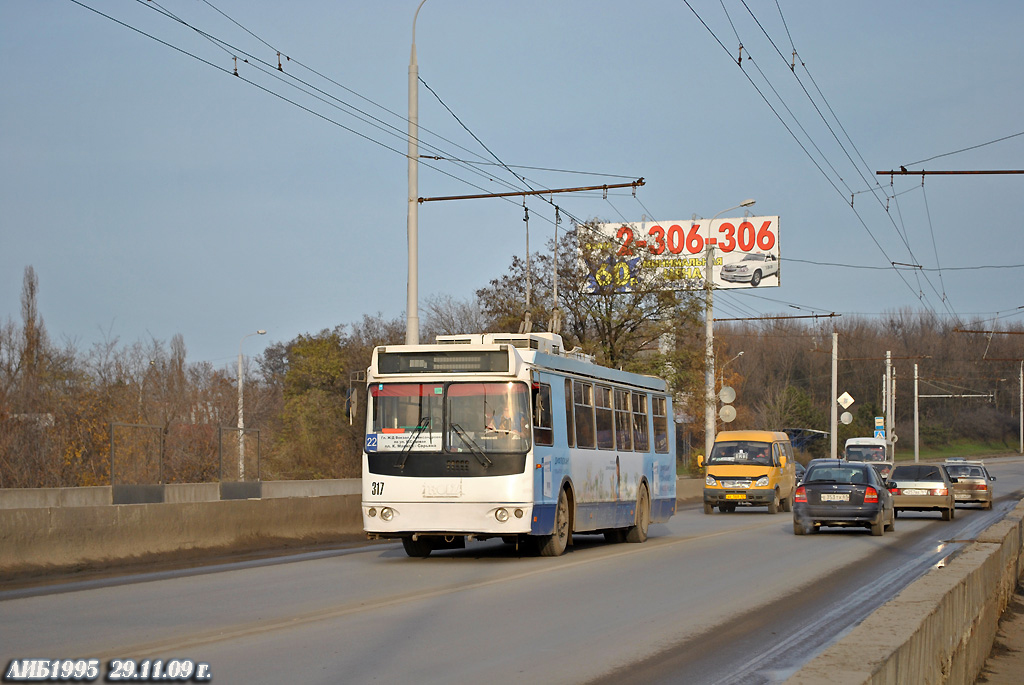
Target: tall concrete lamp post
(709, 339)
(412, 317)
(241, 419)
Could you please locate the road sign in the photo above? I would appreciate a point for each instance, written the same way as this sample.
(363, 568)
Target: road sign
(880, 433)
(845, 400)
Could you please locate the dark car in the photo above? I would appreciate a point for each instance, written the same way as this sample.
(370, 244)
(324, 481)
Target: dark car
(800, 471)
(840, 493)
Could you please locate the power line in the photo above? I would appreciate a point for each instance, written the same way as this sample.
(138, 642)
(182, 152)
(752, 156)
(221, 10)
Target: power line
(973, 147)
(908, 267)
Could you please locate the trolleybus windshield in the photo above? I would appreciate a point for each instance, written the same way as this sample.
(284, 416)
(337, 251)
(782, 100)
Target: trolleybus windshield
(451, 417)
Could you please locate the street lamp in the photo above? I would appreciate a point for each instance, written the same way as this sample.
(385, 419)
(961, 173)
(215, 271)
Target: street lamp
(709, 338)
(241, 420)
(721, 374)
(412, 317)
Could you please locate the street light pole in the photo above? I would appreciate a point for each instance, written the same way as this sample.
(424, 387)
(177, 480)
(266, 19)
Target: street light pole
(709, 338)
(721, 371)
(241, 419)
(412, 320)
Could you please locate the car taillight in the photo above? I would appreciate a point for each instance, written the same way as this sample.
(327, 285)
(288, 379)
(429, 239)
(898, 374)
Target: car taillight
(800, 495)
(894, 490)
(940, 492)
(979, 486)
(870, 495)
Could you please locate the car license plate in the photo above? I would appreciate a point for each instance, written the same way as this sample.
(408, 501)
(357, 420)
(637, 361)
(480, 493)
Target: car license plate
(915, 492)
(737, 496)
(963, 496)
(835, 497)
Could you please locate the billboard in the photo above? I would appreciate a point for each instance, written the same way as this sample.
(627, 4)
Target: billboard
(672, 255)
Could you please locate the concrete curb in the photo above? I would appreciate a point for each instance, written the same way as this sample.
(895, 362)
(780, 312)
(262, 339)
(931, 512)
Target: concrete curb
(940, 629)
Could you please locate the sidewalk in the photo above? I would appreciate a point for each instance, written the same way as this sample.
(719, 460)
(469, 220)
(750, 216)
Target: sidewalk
(1005, 664)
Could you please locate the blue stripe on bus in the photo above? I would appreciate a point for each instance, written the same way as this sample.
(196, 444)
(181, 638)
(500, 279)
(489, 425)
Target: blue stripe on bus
(600, 515)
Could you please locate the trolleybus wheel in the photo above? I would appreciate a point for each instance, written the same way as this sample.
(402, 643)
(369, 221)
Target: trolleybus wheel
(638, 533)
(417, 548)
(553, 545)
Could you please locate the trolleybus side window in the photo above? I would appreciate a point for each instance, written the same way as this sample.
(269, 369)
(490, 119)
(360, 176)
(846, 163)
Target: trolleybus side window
(543, 434)
(570, 433)
(583, 399)
(623, 429)
(603, 410)
(641, 436)
(660, 425)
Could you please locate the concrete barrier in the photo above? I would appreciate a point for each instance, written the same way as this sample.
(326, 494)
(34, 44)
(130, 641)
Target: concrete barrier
(940, 628)
(44, 535)
(46, 539)
(25, 498)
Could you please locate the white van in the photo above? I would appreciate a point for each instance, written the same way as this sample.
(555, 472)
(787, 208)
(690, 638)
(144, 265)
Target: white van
(876, 451)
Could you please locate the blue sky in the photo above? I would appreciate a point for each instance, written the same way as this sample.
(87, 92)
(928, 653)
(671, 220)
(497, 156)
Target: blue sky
(157, 194)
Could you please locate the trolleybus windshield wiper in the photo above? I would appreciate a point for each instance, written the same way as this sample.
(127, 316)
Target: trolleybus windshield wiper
(424, 422)
(473, 447)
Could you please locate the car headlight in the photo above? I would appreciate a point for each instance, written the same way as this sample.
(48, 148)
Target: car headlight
(762, 482)
(710, 481)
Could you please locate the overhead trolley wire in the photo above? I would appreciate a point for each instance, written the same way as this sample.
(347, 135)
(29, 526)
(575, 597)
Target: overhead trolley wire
(919, 293)
(270, 70)
(903, 234)
(341, 105)
(973, 147)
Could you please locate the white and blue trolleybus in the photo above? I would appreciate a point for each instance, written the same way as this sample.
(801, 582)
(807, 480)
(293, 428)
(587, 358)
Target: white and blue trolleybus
(503, 435)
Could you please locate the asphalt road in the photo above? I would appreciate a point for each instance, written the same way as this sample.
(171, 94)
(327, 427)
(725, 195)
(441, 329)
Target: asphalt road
(707, 599)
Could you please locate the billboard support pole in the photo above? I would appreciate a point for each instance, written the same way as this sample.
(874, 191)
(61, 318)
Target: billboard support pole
(709, 336)
(709, 355)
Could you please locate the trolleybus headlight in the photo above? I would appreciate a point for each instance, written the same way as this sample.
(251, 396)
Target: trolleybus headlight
(387, 513)
(372, 511)
(519, 513)
(501, 514)
(762, 482)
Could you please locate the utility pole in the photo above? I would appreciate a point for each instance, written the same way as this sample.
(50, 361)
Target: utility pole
(888, 403)
(917, 429)
(835, 390)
